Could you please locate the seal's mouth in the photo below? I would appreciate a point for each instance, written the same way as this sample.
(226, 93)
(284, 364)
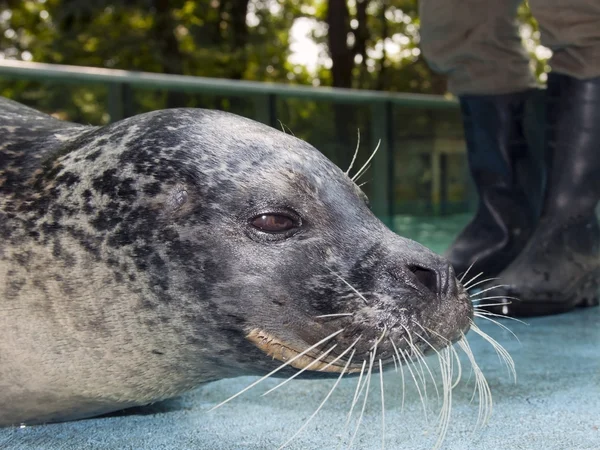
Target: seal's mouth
(285, 353)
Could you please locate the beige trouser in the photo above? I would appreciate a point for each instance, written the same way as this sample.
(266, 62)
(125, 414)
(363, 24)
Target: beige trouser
(477, 43)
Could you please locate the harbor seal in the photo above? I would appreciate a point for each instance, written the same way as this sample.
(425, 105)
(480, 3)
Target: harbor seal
(141, 259)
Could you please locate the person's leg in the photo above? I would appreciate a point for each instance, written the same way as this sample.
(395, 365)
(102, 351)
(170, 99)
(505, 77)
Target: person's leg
(477, 45)
(560, 267)
(571, 29)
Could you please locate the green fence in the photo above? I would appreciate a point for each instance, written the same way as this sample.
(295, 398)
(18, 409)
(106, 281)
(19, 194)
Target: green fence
(419, 169)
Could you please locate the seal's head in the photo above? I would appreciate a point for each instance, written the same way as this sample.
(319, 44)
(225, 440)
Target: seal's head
(248, 245)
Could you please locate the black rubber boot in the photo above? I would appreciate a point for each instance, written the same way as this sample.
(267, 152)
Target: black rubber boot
(560, 267)
(508, 176)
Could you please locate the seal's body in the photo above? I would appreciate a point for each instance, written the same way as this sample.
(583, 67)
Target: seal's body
(141, 259)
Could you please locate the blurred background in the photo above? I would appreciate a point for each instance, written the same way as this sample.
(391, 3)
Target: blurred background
(418, 183)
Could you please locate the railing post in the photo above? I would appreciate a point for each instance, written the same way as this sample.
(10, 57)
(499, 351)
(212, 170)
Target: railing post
(444, 180)
(383, 163)
(436, 187)
(120, 101)
(273, 110)
(265, 109)
(115, 101)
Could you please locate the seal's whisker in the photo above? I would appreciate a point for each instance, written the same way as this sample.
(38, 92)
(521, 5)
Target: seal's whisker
(446, 340)
(459, 365)
(501, 325)
(363, 183)
(322, 403)
(367, 383)
(357, 392)
(466, 284)
(488, 289)
(364, 405)
(483, 305)
(287, 363)
(407, 363)
(395, 363)
(471, 286)
(462, 277)
(445, 362)
(401, 373)
(421, 358)
(307, 367)
(417, 365)
(350, 286)
(283, 127)
(421, 327)
(378, 341)
(453, 350)
(420, 377)
(502, 352)
(492, 297)
(382, 405)
(323, 316)
(355, 152)
(442, 412)
(364, 168)
(361, 175)
(427, 342)
(416, 360)
(481, 386)
(341, 355)
(483, 312)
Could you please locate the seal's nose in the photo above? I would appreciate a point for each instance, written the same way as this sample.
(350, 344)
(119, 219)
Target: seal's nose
(436, 277)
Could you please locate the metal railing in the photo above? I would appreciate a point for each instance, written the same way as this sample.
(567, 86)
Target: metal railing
(264, 96)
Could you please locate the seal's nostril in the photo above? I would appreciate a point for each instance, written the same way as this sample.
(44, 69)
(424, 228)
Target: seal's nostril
(439, 280)
(427, 277)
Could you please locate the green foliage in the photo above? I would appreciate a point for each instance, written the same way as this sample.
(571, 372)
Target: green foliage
(210, 38)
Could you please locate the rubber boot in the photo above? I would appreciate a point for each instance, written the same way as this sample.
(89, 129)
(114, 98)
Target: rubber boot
(560, 267)
(508, 177)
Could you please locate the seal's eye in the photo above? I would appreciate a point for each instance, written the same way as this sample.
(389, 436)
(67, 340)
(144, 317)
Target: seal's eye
(273, 223)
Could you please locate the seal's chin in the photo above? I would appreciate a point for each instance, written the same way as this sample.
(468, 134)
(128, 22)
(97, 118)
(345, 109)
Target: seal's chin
(285, 353)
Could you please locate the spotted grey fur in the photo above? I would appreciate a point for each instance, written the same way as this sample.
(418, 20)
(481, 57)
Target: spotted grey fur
(130, 273)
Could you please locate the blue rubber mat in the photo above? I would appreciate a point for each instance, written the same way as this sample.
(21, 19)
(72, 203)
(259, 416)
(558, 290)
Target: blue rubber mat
(555, 404)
